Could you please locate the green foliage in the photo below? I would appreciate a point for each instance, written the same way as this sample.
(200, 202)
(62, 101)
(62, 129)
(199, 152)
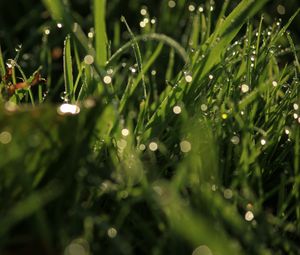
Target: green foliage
(153, 152)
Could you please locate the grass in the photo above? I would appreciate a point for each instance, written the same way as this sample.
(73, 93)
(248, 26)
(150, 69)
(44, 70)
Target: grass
(157, 145)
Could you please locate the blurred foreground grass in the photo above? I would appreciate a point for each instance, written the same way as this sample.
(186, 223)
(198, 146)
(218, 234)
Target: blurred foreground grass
(161, 144)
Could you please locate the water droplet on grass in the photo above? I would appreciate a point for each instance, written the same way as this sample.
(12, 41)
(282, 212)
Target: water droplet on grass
(235, 140)
(59, 25)
(122, 144)
(188, 78)
(112, 232)
(47, 31)
(263, 141)
(228, 193)
(142, 147)
(153, 146)
(125, 132)
(68, 109)
(5, 137)
(133, 69)
(171, 4)
(249, 216)
(202, 250)
(287, 130)
(185, 146)
(177, 109)
(224, 116)
(65, 96)
(142, 24)
(75, 249)
(245, 88)
(281, 9)
(143, 11)
(88, 59)
(192, 8)
(201, 9)
(203, 107)
(153, 72)
(107, 79)
(295, 106)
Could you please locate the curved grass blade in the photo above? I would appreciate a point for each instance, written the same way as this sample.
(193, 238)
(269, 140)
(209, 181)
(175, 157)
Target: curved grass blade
(155, 37)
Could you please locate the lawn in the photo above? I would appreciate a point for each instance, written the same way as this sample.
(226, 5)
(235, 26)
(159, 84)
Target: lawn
(149, 127)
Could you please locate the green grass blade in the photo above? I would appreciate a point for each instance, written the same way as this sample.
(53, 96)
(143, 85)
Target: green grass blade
(68, 72)
(2, 65)
(100, 32)
(155, 37)
(133, 86)
(138, 55)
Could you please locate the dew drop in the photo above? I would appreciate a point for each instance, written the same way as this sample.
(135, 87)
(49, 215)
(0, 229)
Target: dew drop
(244, 88)
(177, 109)
(122, 144)
(142, 147)
(143, 11)
(281, 9)
(125, 132)
(171, 4)
(65, 97)
(5, 137)
(185, 146)
(112, 232)
(224, 116)
(153, 146)
(201, 9)
(295, 106)
(142, 24)
(263, 141)
(107, 79)
(274, 83)
(202, 250)
(295, 115)
(68, 109)
(188, 78)
(249, 216)
(47, 31)
(76, 249)
(59, 25)
(235, 140)
(228, 193)
(210, 77)
(287, 131)
(153, 72)
(133, 69)
(192, 8)
(88, 59)
(203, 107)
